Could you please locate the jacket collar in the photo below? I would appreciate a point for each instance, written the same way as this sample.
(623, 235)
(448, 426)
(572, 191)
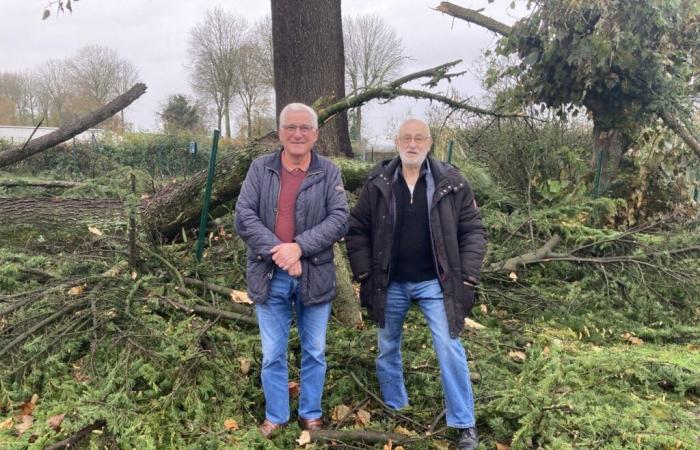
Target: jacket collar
(274, 162)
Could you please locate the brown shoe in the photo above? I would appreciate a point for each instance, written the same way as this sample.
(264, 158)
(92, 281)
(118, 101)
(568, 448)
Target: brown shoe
(267, 428)
(312, 424)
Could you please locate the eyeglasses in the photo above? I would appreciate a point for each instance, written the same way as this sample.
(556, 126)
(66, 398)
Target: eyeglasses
(291, 129)
(419, 139)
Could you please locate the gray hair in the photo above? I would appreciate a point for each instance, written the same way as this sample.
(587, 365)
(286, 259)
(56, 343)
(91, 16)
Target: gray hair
(296, 107)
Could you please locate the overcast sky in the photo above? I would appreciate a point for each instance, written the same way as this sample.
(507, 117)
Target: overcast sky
(153, 35)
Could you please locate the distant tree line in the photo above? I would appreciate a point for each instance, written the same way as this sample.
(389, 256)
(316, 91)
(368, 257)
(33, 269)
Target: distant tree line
(61, 90)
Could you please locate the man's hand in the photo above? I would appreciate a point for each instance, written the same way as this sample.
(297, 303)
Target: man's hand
(284, 255)
(295, 270)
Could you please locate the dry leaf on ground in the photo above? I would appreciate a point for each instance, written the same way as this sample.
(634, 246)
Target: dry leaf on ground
(55, 422)
(500, 446)
(6, 424)
(293, 389)
(245, 365)
(94, 230)
(362, 418)
(27, 408)
(304, 438)
(406, 432)
(517, 356)
(27, 422)
(474, 325)
(77, 290)
(230, 425)
(339, 413)
(632, 339)
(240, 297)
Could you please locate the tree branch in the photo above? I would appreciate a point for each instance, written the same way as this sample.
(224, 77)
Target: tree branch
(512, 264)
(474, 17)
(673, 123)
(393, 89)
(366, 436)
(71, 440)
(42, 143)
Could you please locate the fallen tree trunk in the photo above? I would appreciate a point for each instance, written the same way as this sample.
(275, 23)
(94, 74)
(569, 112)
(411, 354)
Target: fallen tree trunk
(57, 220)
(38, 145)
(38, 183)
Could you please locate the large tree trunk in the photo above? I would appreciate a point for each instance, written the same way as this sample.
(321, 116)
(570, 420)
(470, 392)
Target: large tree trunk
(309, 63)
(60, 221)
(609, 145)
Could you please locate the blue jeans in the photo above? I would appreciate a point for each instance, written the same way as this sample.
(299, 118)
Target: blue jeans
(454, 371)
(275, 320)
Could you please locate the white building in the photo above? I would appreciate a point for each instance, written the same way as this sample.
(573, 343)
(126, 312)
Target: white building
(18, 135)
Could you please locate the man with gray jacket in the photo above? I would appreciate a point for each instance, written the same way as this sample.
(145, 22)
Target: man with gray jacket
(291, 209)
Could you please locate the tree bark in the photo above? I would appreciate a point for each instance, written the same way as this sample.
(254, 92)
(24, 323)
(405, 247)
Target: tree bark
(309, 63)
(42, 143)
(57, 220)
(346, 307)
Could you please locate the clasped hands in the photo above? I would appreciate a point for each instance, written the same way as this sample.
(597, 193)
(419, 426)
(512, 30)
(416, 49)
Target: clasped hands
(288, 258)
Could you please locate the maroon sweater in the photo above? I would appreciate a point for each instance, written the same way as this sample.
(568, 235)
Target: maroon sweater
(286, 204)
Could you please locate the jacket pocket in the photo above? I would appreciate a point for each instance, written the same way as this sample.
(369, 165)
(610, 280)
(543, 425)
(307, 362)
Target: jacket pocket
(321, 274)
(366, 291)
(467, 299)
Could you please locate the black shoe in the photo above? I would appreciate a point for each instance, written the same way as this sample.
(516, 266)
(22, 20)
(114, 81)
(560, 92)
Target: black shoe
(469, 440)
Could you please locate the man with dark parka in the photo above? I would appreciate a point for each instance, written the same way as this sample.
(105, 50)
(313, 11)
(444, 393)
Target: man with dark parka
(416, 235)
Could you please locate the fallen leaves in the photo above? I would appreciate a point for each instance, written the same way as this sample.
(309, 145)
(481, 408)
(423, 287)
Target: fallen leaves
(94, 230)
(517, 355)
(304, 438)
(27, 422)
(7, 424)
(54, 422)
(472, 324)
(240, 297)
(230, 425)
(500, 446)
(25, 417)
(632, 339)
(293, 387)
(340, 412)
(245, 365)
(362, 418)
(77, 290)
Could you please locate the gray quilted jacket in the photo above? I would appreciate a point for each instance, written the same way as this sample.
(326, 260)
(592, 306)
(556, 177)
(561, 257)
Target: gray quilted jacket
(320, 220)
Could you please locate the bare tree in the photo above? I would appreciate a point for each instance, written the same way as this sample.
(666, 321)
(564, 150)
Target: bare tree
(127, 76)
(373, 55)
(12, 87)
(252, 86)
(213, 48)
(54, 91)
(94, 74)
(262, 35)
